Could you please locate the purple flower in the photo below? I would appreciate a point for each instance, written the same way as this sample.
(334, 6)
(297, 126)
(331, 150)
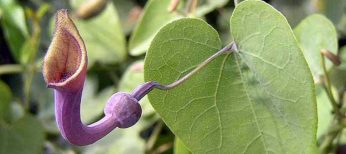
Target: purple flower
(64, 70)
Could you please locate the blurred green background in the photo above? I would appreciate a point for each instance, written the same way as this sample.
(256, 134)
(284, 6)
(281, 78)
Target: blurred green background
(116, 39)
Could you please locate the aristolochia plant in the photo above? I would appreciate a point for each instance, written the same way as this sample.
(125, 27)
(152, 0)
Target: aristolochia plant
(64, 69)
(255, 95)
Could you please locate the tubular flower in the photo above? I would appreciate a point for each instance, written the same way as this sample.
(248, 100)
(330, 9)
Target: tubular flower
(64, 70)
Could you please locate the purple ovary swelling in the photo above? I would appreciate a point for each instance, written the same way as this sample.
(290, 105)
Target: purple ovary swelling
(124, 108)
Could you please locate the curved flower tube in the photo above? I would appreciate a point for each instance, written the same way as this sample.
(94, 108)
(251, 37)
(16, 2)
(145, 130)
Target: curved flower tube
(64, 70)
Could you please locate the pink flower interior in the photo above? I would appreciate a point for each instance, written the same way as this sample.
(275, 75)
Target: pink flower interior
(64, 60)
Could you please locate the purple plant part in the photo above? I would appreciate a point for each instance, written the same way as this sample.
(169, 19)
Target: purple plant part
(64, 70)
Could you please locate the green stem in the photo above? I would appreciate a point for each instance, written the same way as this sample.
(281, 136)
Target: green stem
(326, 145)
(335, 129)
(11, 69)
(191, 7)
(328, 89)
(173, 5)
(30, 73)
(154, 136)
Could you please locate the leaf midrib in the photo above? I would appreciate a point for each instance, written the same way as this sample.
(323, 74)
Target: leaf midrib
(251, 105)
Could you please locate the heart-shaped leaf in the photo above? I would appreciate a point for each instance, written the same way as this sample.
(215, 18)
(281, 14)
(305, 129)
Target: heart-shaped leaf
(257, 100)
(314, 33)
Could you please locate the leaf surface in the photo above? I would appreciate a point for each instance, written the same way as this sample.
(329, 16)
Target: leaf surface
(179, 147)
(6, 96)
(14, 26)
(155, 15)
(206, 6)
(314, 33)
(25, 136)
(257, 100)
(279, 84)
(324, 108)
(103, 36)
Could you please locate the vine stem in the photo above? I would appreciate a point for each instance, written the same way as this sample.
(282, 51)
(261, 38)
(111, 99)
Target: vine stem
(328, 87)
(173, 5)
(191, 7)
(144, 89)
(334, 131)
(11, 69)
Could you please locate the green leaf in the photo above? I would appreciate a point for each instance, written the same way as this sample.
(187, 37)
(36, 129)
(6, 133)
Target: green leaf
(128, 12)
(283, 88)
(179, 147)
(103, 36)
(45, 99)
(155, 15)
(314, 33)
(14, 26)
(257, 100)
(208, 6)
(324, 109)
(188, 110)
(6, 96)
(25, 136)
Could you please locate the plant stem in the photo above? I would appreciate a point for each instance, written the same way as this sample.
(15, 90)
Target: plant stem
(227, 49)
(328, 88)
(327, 142)
(332, 57)
(191, 7)
(154, 136)
(145, 88)
(173, 5)
(336, 129)
(11, 69)
(30, 73)
(163, 148)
